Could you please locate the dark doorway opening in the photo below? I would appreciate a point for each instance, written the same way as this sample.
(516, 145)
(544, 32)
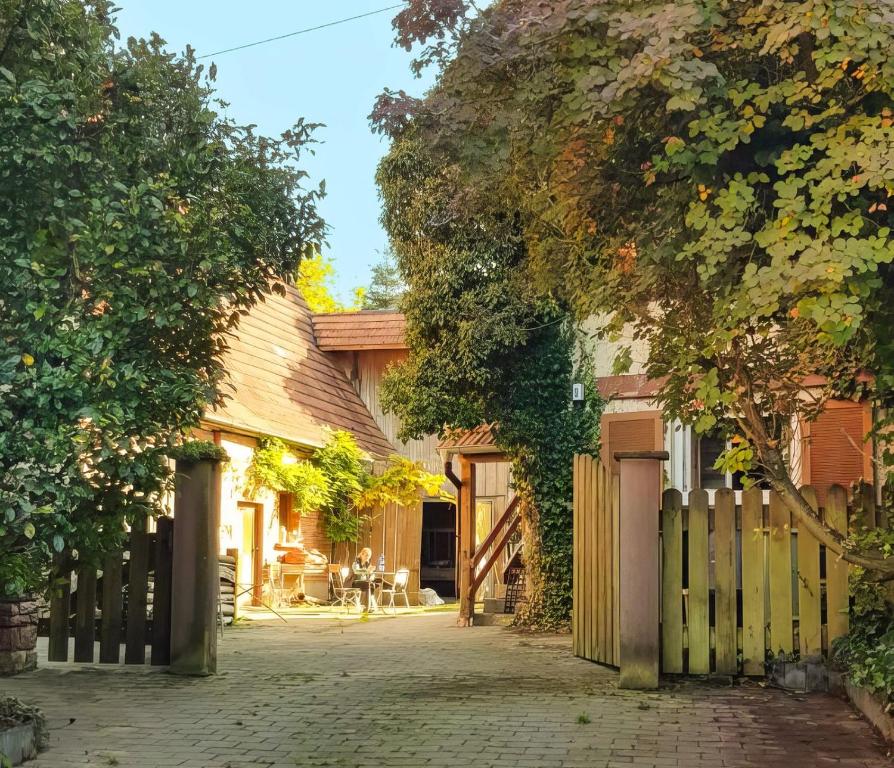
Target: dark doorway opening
(438, 561)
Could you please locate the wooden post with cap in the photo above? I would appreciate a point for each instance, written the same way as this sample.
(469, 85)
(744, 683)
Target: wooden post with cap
(640, 573)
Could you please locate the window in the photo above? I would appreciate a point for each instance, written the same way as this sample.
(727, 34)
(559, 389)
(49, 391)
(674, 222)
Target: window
(835, 447)
(637, 431)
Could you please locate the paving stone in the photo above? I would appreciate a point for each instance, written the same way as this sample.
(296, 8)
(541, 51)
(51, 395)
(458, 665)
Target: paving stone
(417, 692)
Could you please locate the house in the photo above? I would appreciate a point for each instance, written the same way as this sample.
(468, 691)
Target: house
(832, 449)
(280, 385)
(364, 344)
(294, 375)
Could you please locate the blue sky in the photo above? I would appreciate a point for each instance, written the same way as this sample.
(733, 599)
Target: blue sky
(330, 76)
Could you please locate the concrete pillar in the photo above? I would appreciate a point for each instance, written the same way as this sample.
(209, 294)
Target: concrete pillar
(195, 572)
(640, 574)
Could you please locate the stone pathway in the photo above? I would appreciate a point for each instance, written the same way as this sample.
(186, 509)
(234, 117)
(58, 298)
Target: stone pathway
(416, 691)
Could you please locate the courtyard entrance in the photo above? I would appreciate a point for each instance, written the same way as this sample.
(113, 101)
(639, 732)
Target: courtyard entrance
(416, 691)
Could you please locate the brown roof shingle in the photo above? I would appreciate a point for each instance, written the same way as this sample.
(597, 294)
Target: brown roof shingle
(480, 437)
(366, 329)
(283, 385)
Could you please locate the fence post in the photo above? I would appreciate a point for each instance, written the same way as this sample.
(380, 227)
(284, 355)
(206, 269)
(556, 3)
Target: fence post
(60, 609)
(639, 567)
(196, 571)
(161, 593)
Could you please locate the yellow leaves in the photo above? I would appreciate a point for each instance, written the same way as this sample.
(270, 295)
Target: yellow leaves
(703, 192)
(698, 52)
(27, 359)
(609, 136)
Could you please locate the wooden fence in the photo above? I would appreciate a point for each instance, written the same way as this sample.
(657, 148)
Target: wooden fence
(595, 626)
(148, 565)
(739, 582)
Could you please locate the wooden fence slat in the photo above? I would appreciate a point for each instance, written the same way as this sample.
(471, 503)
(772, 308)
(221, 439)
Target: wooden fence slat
(725, 651)
(836, 569)
(576, 560)
(137, 597)
(85, 616)
(780, 555)
(603, 559)
(613, 484)
(161, 594)
(753, 595)
(810, 634)
(586, 594)
(110, 628)
(60, 613)
(592, 514)
(672, 582)
(697, 620)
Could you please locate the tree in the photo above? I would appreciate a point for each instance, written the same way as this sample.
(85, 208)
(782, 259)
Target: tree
(485, 348)
(316, 282)
(136, 226)
(716, 174)
(386, 285)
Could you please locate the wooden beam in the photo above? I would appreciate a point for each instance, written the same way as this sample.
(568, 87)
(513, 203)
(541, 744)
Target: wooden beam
(481, 550)
(485, 458)
(467, 541)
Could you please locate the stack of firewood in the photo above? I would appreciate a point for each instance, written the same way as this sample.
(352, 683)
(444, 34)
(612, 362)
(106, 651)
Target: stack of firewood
(227, 587)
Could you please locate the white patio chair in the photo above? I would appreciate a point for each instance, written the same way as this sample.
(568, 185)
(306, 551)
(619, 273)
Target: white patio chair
(399, 588)
(343, 596)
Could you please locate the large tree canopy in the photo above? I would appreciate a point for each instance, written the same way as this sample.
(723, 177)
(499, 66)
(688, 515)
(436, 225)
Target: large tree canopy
(486, 348)
(136, 224)
(716, 173)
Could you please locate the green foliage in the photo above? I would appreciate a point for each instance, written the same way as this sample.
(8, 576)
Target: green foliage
(401, 483)
(867, 651)
(714, 174)
(136, 225)
(344, 465)
(337, 481)
(386, 286)
(485, 348)
(198, 450)
(273, 466)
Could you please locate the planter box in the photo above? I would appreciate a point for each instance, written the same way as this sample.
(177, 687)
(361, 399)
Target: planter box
(18, 636)
(872, 708)
(18, 743)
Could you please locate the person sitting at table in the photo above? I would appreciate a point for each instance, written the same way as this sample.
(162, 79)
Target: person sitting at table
(364, 576)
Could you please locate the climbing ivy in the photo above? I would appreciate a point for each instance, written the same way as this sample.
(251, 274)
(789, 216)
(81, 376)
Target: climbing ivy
(484, 348)
(867, 651)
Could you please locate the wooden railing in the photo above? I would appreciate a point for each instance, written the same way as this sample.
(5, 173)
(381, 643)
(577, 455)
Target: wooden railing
(486, 555)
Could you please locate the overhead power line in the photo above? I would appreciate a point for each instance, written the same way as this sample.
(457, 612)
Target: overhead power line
(302, 31)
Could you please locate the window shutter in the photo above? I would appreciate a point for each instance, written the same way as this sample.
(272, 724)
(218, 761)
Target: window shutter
(630, 432)
(835, 450)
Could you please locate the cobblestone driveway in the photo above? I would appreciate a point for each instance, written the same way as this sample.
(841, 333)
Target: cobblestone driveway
(416, 691)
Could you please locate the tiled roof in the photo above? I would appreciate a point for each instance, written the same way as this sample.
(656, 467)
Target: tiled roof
(629, 386)
(480, 437)
(284, 385)
(367, 329)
